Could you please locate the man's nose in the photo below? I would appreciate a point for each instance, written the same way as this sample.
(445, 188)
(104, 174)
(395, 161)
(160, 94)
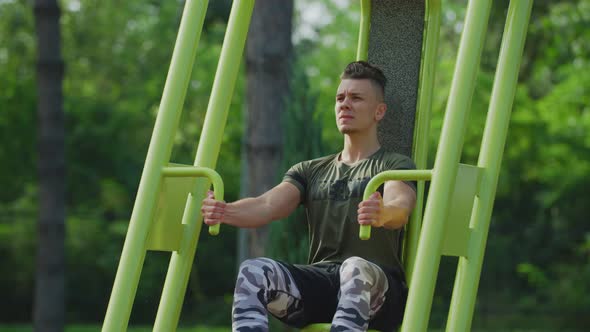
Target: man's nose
(345, 104)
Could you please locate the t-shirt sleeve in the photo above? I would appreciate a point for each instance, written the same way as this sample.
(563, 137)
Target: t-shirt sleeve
(400, 163)
(296, 175)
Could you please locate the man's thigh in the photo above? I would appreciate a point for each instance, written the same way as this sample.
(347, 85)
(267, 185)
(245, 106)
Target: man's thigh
(390, 316)
(318, 285)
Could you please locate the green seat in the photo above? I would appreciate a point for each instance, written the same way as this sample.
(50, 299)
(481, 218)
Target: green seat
(322, 328)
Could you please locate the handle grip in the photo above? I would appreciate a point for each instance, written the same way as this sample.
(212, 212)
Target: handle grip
(214, 229)
(365, 232)
(194, 172)
(377, 180)
(218, 193)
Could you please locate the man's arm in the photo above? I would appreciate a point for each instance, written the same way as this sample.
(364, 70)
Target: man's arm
(392, 211)
(277, 203)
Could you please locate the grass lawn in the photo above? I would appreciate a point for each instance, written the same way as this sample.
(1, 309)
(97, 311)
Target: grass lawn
(96, 328)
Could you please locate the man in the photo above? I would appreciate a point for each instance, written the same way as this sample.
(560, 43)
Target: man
(352, 283)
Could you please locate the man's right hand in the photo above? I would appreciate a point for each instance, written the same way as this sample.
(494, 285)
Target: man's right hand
(212, 210)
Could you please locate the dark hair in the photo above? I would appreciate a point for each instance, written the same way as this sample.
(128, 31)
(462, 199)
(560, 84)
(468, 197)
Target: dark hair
(365, 70)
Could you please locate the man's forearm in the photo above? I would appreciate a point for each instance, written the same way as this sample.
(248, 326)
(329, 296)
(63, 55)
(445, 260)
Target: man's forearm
(247, 213)
(394, 216)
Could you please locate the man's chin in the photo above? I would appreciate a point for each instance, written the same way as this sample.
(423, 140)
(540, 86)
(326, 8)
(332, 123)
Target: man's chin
(346, 131)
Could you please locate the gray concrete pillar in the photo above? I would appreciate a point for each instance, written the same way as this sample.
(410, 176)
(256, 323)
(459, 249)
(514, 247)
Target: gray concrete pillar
(395, 45)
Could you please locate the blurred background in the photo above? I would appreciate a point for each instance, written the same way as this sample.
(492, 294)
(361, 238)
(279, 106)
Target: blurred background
(115, 57)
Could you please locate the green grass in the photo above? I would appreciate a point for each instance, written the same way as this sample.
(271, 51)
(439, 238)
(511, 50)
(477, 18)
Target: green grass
(96, 328)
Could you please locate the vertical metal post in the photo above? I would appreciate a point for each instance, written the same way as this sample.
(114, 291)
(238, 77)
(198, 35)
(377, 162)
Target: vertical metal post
(419, 302)
(362, 51)
(422, 125)
(134, 249)
(207, 153)
(490, 159)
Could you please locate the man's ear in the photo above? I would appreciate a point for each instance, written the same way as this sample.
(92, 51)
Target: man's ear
(380, 113)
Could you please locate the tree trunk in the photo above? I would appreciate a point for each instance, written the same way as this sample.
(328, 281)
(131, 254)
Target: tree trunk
(49, 302)
(268, 63)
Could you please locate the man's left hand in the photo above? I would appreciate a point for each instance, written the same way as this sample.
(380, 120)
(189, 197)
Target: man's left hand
(370, 211)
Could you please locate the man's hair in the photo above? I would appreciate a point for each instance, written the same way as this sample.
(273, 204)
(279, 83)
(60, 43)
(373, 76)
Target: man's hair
(365, 70)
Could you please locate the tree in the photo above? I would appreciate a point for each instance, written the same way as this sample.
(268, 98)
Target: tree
(268, 62)
(49, 304)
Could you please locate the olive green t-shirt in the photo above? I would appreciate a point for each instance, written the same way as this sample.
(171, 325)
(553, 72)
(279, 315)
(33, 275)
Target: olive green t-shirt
(331, 191)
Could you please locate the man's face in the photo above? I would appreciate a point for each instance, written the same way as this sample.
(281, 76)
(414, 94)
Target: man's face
(359, 106)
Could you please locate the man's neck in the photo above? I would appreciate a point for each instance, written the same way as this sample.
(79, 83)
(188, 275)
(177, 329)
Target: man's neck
(356, 148)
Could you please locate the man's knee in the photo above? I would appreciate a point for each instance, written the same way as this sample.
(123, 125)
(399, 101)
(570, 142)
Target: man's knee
(255, 266)
(363, 272)
(251, 275)
(359, 276)
(272, 286)
(354, 267)
(254, 263)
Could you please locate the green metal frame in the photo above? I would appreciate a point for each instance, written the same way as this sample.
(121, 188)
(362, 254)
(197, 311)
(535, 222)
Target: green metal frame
(446, 164)
(209, 145)
(422, 127)
(134, 249)
(490, 159)
(142, 234)
(457, 227)
(437, 213)
(179, 181)
(362, 53)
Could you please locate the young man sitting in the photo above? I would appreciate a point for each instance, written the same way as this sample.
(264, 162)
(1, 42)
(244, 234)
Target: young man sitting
(352, 283)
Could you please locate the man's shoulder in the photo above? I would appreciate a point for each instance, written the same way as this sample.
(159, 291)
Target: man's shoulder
(320, 160)
(307, 166)
(395, 160)
(392, 155)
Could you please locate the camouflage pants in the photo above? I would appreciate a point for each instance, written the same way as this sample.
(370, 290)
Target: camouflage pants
(267, 286)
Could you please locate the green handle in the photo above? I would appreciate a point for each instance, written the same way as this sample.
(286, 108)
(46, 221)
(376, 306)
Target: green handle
(195, 171)
(365, 230)
(218, 193)
(379, 179)
(214, 229)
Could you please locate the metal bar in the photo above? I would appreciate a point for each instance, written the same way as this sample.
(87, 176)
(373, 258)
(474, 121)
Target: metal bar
(417, 313)
(362, 51)
(490, 159)
(189, 171)
(195, 171)
(396, 175)
(134, 249)
(422, 126)
(379, 179)
(207, 152)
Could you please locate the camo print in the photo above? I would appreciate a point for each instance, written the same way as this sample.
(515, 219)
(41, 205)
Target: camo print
(362, 293)
(262, 286)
